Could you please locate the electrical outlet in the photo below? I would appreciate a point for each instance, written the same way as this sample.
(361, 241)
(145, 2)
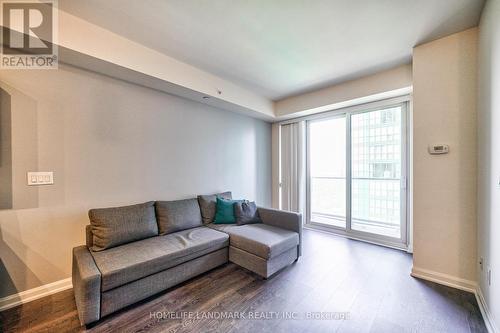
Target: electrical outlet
(481, 262)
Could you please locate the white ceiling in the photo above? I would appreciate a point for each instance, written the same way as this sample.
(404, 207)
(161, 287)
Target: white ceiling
(280, 48)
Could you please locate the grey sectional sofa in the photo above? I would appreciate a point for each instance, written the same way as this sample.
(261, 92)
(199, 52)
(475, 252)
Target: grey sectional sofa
(137, 251)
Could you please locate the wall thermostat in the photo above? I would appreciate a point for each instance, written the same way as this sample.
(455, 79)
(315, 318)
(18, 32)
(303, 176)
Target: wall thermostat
(439, 149)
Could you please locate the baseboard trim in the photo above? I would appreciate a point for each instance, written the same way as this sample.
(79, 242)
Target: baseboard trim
(35, 293)
(488, 318)
(444, 279)
(462, 284)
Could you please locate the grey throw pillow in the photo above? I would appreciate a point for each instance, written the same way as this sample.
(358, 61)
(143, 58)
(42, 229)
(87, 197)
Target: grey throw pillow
(120, 225)
(208, 204)
(177, 215)
(246, 213)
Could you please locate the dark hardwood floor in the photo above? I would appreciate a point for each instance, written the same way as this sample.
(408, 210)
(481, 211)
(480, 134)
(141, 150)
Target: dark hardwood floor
(354, 286)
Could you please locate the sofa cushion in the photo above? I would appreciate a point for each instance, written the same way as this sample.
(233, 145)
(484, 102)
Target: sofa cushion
(260, 239)
(222, 227)
(208, 204)
(130, 262)
(177, 215)
(117, 298)
(120, 225)
(246, 212)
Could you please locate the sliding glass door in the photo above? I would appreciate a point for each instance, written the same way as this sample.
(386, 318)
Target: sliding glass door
(357, 173)
(328, 171)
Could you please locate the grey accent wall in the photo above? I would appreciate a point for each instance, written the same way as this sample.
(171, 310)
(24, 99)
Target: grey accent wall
(489, 158)
(112, 143)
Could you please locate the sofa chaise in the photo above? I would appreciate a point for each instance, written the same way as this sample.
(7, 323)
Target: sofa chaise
(134, 252)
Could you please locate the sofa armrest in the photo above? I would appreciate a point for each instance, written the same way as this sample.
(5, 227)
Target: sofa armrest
(86, 279)
(283, 219)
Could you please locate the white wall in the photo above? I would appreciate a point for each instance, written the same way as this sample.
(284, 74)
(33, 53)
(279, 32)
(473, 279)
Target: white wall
(489, 156)
(111, 143)
(335, 96)
(444, 195)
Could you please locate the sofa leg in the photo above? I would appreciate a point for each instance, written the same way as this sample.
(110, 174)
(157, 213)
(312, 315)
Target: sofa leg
(90, 325)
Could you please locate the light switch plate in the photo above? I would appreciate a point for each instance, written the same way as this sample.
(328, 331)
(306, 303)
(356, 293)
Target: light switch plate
(40, 178)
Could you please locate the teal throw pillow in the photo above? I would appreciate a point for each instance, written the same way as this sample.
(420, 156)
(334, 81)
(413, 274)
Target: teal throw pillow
(224, 213)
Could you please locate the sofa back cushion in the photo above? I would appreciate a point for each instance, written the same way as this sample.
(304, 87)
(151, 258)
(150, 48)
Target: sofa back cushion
(177, 215)
(89, 238)
(120, 225)
(208, 204)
